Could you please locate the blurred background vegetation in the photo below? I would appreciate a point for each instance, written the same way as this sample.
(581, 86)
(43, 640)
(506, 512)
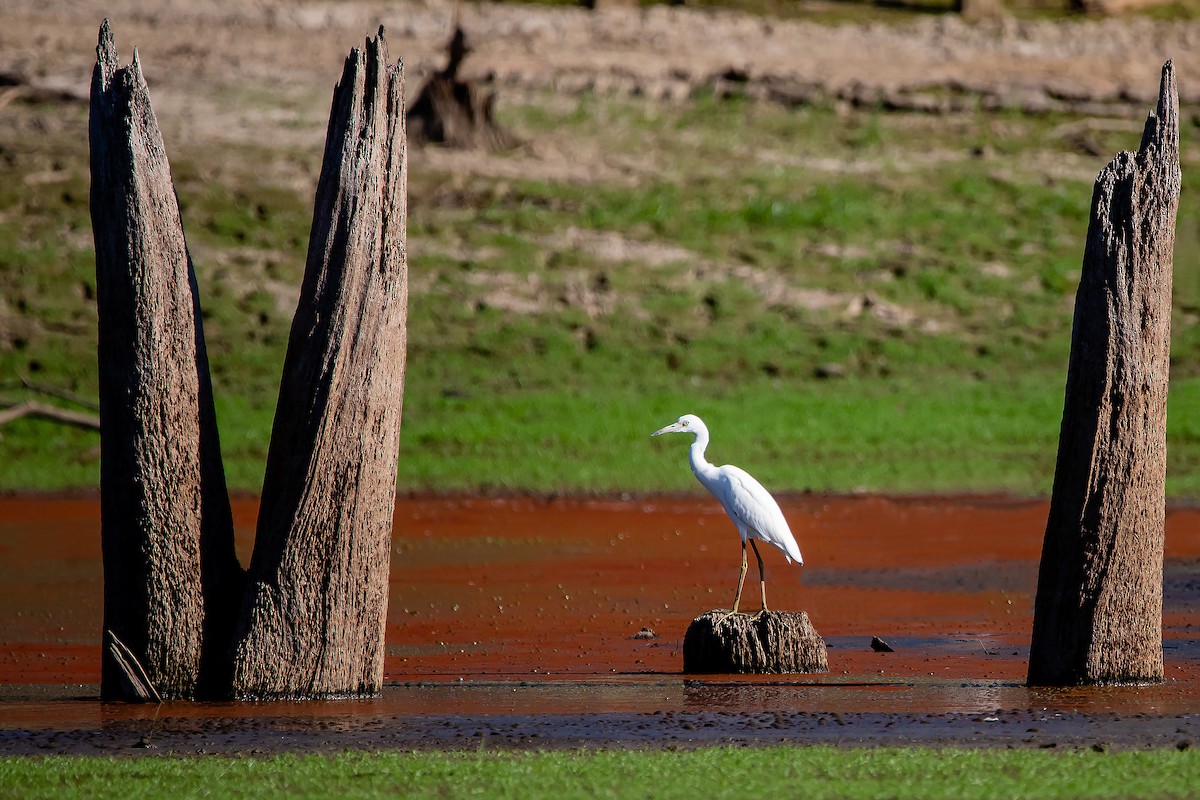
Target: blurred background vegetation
(855, 299)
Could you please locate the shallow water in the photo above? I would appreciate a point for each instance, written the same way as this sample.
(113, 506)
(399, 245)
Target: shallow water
(512, 616)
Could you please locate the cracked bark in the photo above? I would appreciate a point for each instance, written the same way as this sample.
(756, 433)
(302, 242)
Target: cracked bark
(182, 618)
(313, 623)
(1098, 612)
(171, 578)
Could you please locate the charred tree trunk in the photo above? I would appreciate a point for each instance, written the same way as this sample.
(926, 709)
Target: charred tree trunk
(171, 577)
(1098, 614)
(772, 642)
(313, 624)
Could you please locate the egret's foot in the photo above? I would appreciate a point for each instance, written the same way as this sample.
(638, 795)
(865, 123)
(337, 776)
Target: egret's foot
(760, 613)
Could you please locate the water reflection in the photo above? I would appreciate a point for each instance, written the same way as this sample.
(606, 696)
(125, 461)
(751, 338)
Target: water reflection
(930, 696)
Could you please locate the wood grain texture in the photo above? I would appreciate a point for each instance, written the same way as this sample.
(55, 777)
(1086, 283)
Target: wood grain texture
(1098, 613)
(162, 484)
(313, 624)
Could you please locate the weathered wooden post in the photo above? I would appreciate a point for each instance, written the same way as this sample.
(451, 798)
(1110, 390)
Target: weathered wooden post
(313, 624)
(171, 578)
(1098, 613)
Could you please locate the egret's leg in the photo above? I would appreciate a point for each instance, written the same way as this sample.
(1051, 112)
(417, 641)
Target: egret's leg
(762, 576)
(737, 598)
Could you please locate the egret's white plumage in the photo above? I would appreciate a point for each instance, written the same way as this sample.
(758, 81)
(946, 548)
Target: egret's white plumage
(748, 504)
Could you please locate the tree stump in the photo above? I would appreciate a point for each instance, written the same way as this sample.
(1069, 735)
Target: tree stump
(313, 624)
(454, 112)
(171, 577)
(773, 642)
(180, 614)
(1098, 613)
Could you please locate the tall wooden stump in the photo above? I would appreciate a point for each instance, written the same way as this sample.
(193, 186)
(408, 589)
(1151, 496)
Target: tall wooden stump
(1098, 614)
(171, 577)
(314, 621)
(773, 642)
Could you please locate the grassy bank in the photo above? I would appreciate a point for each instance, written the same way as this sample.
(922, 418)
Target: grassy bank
(852, 299)
(819, 772)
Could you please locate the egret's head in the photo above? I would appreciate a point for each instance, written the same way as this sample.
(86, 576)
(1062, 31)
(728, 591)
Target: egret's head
(688, 423)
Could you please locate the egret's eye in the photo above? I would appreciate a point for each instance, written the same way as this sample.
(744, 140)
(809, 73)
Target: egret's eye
(685, 423)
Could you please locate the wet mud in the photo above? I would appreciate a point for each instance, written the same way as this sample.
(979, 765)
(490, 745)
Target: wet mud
(522, 622)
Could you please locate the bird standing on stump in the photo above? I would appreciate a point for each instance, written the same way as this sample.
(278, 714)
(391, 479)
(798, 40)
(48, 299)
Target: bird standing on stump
(748, 504)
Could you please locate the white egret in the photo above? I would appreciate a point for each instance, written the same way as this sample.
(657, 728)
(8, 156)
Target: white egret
(748, 504)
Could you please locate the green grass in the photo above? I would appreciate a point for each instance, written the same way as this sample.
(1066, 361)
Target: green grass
(745, 251)
(809, 772)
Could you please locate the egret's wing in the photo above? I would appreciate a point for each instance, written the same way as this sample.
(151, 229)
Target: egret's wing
(752, 505)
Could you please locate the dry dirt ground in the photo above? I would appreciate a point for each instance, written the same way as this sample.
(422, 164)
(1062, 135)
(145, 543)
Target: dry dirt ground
(263, 71)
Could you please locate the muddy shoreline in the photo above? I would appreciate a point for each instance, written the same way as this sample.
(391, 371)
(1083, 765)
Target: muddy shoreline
(188, 736)
(512, 623)
(551, 717)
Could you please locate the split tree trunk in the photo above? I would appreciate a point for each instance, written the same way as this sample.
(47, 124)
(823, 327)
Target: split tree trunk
(314, 621)
(171, 577)
(1098, 613)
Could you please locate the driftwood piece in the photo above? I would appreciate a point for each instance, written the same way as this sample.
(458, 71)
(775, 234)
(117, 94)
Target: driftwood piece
(454, 112)
(1098, 612)
(65, 416)
(51, 413)
(16, 87)
(59, 394)
(138, 686)
(773, 642)
(314, 621)
(163, 499)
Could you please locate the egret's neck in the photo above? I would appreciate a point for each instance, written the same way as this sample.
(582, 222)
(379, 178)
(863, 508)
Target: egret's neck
(704, 471)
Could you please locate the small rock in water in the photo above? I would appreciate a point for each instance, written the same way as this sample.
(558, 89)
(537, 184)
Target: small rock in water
(645, 633)
(880, 646)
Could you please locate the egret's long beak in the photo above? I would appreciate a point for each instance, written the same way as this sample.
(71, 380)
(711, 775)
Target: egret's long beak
(672, 428)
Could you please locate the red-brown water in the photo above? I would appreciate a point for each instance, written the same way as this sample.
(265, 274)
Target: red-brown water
(506, 610)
